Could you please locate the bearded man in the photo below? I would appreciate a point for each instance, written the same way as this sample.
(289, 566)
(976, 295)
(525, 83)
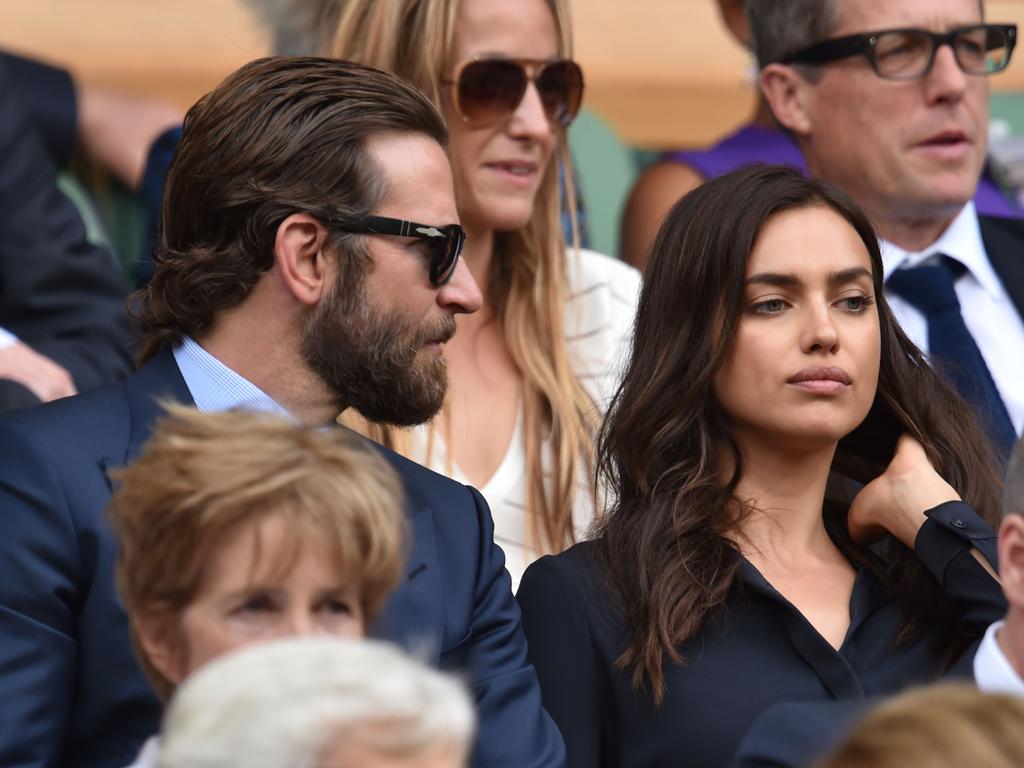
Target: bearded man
(308, 263)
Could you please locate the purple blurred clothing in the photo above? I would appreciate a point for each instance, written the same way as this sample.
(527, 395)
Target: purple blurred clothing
(756, 144)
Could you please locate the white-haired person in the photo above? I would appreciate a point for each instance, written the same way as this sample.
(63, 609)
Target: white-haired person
(318, 703)
(237, 528)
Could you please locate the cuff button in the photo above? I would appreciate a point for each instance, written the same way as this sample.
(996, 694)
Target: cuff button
(956, 522)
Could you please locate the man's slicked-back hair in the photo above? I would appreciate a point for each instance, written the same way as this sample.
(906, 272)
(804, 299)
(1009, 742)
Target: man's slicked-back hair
(779, 28)
(282, 135)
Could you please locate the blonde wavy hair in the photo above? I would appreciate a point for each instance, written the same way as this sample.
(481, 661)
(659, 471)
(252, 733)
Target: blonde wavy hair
(528, 281)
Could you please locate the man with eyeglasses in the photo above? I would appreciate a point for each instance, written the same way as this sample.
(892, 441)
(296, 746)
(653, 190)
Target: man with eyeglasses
(308, 263)
(889, 100)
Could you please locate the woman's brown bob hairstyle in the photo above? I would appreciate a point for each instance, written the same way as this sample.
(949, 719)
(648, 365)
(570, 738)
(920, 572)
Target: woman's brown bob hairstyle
(663, 545)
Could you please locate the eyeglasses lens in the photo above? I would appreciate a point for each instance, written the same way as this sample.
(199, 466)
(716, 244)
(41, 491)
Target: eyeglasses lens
(907, 54)
(490, 89)
(902, 54)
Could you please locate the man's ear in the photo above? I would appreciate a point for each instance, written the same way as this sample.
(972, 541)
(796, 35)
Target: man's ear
(1011, 559)
(299, 257)
(788, 93)
(161, 639)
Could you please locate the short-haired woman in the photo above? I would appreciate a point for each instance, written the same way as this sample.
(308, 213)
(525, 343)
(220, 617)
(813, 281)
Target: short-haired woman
(740, 565)
(238, 527)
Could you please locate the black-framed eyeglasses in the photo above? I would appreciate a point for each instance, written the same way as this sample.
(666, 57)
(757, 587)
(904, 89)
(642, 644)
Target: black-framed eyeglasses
(908, 54)
(445, 242)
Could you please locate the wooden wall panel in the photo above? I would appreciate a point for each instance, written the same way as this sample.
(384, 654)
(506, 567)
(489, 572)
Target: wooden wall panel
(663, 72)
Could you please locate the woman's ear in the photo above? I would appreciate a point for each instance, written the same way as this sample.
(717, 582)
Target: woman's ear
(161, 640)
(299, 258)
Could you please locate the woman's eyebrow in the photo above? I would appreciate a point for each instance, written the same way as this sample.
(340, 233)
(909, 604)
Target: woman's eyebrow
(788, 279)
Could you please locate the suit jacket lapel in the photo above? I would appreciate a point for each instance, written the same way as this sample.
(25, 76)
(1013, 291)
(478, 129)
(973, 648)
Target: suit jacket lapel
(1004, 244)
(157, 381)
(411, 616)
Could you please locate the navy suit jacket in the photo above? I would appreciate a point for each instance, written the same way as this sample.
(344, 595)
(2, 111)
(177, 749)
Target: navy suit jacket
(60, 294)
(71, 693)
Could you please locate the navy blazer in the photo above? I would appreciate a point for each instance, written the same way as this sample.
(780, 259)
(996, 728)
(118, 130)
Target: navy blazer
(71, 692)
(60, 294)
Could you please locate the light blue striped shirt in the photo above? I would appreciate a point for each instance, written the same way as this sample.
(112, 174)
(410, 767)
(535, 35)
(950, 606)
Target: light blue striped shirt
(215, 387)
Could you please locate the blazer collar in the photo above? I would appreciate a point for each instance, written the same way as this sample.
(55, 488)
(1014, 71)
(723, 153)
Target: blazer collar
(1004, 242)
(156, 382)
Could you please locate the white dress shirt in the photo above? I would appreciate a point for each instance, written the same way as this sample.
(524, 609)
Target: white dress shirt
(600, 305)
(6, 338)
(148, 755)
(992, 670)
(215, 387)
(988, 312)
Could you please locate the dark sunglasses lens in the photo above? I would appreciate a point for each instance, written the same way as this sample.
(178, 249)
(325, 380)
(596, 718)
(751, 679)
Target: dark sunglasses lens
(560, 85)
(445, 255)
(490, 89)
(903, 54)
(983, 50)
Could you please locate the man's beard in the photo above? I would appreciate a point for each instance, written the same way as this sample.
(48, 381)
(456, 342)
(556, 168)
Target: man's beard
(370, 359)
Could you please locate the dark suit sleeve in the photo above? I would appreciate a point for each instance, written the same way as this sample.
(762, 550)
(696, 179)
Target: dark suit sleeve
(944, 545)
(47, 94)
(60, 294)
(38, 595)
(514, 731)
(554, 606)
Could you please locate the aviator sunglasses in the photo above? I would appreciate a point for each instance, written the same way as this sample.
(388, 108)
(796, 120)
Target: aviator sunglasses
(444, 243)
(486, 90)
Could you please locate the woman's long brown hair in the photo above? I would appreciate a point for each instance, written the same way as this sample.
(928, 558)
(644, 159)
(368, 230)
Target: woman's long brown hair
(663, 545)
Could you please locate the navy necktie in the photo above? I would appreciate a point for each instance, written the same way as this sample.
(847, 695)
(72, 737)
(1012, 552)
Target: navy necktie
(951, 347)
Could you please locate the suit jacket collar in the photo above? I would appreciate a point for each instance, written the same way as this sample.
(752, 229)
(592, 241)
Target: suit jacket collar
(156, 382)
(1004, 243)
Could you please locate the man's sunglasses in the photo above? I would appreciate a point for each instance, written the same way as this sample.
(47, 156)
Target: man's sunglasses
(908, 54)
(488, 90)
(445, 243)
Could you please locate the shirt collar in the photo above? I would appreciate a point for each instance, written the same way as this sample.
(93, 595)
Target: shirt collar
(992, 670)
(961, 241)
(215, 387)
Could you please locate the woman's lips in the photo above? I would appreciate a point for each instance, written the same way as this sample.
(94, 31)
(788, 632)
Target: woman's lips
(520, 175)
(821, 380)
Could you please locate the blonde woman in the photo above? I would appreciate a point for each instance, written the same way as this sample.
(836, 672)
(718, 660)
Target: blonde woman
(529, 374)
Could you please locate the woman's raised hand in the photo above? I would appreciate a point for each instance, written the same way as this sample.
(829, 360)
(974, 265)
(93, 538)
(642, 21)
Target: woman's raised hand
(896, 500)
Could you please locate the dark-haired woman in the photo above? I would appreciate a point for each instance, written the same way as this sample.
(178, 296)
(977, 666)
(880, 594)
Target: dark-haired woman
(739, 565)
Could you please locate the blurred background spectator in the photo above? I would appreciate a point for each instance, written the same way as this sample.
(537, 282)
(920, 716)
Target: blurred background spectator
(316, 701)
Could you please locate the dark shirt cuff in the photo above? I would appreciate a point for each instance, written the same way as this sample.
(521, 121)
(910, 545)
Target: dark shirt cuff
(952, 528)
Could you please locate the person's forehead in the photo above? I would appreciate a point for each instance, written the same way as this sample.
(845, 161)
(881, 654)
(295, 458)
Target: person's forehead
(937, 15)
(419, 182)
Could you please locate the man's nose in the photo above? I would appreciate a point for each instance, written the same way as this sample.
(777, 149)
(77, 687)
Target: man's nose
(461, 294)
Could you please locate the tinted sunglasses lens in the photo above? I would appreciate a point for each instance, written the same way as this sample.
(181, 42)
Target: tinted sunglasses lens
(490, 89)
(560, 85)
(445, 255)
